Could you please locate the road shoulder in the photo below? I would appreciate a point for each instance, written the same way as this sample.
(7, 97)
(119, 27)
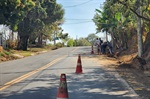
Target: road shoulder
(136, 79)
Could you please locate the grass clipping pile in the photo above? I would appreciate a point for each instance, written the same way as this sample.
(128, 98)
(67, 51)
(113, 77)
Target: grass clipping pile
(126, 66)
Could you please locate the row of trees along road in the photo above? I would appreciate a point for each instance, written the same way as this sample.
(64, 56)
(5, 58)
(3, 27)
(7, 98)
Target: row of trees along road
(123, 18)
(31, 19)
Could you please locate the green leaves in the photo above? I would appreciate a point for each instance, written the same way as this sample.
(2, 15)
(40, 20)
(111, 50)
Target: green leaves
(118, 16)
(12, 12)
(148, 7)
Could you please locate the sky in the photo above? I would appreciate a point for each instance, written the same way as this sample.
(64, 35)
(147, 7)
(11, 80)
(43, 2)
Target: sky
(78, 17)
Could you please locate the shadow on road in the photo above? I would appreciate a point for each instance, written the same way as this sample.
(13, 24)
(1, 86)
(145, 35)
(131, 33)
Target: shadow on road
(93, 84)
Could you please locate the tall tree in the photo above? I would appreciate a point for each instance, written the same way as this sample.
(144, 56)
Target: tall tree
(44, 13)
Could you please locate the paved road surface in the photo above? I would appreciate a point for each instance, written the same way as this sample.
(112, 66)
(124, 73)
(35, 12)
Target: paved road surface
(37, 77)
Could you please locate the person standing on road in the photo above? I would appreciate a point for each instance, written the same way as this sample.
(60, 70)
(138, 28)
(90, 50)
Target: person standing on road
(97, 44)
(103, 47)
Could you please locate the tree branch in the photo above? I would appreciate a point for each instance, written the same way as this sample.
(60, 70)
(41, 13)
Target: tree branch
(134, 11)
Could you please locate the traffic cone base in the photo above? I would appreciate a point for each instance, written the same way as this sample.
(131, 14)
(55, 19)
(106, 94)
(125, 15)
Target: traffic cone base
(62, 90)
(92, 52)
(78, 70)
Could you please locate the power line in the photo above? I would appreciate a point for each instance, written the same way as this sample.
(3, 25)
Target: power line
(77, 19)
(78, 4)
(80, 22)
(88, 22)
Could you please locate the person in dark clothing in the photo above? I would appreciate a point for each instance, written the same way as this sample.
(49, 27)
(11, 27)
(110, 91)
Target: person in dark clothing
(103, 47)
(110, 48)
(101, 41)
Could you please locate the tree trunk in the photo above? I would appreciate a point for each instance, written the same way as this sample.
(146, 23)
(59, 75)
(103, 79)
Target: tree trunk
(139, 34)
(147, 43)
(116, 39)
(23, 43)
(40, 40)
(55, 37)
(122, 40)
(113, 39)
(12, 36)
(126, 40)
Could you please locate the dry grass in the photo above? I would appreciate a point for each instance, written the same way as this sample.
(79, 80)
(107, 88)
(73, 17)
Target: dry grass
(6, 55)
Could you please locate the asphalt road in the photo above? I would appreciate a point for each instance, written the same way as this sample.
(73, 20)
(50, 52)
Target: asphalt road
(38, 77)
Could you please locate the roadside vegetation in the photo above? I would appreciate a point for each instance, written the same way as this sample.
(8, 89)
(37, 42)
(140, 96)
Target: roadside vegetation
(128, 24)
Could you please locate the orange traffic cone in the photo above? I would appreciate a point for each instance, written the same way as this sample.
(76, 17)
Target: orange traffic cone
(62, 91)
(92, 51)
(79, 65)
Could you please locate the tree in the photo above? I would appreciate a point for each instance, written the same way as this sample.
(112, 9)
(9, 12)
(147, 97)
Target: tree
(64, 37)
(83, 42)
(44, 13)
(91, 38)
(71, 43)
(12, 12)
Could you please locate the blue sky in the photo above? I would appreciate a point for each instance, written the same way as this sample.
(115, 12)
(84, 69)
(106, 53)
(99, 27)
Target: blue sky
(78, 15)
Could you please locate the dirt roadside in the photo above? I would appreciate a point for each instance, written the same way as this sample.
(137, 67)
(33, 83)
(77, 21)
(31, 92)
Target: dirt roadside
(138, 80)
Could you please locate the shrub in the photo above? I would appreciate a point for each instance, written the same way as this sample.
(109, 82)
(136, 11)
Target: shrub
(59, 44)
